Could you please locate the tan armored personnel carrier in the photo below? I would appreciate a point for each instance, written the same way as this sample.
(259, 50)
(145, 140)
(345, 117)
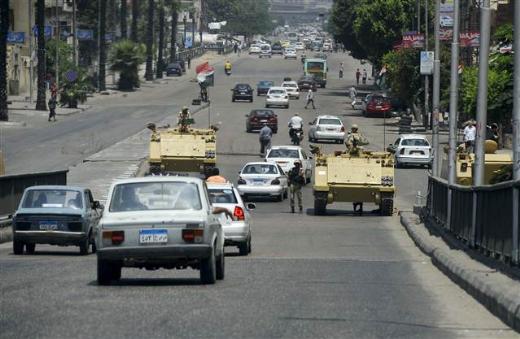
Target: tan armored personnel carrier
(355, 176)
(182, 150)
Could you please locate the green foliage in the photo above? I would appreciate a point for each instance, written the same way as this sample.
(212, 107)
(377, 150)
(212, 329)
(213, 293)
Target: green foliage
(341, 26)
(65, 55)
(125, 58)
(75, 91)
(403, 74)
(247, 17)
(504, 34)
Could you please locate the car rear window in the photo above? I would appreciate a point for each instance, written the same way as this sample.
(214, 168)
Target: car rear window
(222, 196)
(53, 198)
(155, 196)
(283, 153)
(265, 83)
(327, 121)
(242, 86)
(260, 169)
(262, 114)
(415, 142)
(276, 91)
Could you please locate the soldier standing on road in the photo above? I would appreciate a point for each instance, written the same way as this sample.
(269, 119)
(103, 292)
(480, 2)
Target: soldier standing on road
(358, 75)
(52, 108)
(310, 99)
(265, 137)
(296, 181)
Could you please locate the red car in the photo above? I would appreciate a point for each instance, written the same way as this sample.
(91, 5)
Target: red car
(257, 118)
(378, 106)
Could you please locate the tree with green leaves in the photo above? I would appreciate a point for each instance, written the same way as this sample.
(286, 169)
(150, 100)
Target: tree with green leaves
(341, 26)
(403, 74)
(41, 104)
(148, 75)
(4, 28)
(246, 17)
(125, 57)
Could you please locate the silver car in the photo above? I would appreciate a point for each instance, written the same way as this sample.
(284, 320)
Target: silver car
(263, 179)
(236, 232)
(327, 127)
(412, 149)
(160, 222)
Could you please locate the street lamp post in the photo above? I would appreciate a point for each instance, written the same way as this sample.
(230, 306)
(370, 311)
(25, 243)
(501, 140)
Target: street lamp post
(184, 20)
(516, 134)
(436, 92)
(193, 28)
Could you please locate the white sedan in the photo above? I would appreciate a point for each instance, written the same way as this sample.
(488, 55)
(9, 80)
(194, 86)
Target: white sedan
(285, 156)
(236, 232)
(327, 127)
(263, 179)
(290, 53)
(159, 222)
(292, 89)
(412, 149)
(254, 49)
(277, 96)
(299, 46)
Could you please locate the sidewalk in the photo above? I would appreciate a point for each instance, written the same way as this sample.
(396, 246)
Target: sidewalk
(494, 285)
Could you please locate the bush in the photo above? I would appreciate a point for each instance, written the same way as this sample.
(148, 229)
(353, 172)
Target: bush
(126, 57)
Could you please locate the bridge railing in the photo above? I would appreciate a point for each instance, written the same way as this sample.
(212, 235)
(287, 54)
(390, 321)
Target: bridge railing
(482, 217)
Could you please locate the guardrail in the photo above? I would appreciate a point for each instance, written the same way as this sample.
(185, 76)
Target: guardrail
(12, 187)
(484, 217)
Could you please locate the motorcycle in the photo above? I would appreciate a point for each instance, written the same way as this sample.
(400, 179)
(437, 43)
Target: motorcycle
(228, 71)
(296, 135)
(340, 73)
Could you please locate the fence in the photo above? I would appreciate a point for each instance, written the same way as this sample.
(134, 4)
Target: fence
(483, 217)
(12, 187)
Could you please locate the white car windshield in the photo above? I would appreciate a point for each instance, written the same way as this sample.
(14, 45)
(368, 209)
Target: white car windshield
(329, 122)
(260, 169)
(53, 198)
(414, 142)
(155, 196)
(283, 153)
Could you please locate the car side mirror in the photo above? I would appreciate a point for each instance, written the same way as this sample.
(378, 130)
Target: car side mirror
(251, 206)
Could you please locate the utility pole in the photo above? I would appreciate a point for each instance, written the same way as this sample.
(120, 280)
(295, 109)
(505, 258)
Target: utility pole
(516, 134)
(418, 16)
(57, 61)
(74, 35)
(31, 64)
(483, 68)
(454, 92)
(193, 29)
(436, 92)
(427, 76)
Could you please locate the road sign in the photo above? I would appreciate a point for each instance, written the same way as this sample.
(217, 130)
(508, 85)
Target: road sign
(427, 58)
(71, 75)
(15, 37)
(47, 31)
(188, 43)
(85, 34)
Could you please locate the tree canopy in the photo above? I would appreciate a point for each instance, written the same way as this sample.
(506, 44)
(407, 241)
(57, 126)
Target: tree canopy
(247, 17)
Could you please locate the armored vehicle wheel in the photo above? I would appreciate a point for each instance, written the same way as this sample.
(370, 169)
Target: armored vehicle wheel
(29, 248)
(387, 205)
(320, 206)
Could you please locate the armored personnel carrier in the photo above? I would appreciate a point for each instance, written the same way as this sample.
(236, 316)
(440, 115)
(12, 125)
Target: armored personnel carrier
(182, 150)
(355, 176)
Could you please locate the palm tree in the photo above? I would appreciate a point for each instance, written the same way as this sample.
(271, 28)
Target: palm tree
(148, 75)
(102, 44)
(124, 33)
(174, 5)
(135, 18)
(160, 61)
(4, 28)
(41, 105)
(125, 57)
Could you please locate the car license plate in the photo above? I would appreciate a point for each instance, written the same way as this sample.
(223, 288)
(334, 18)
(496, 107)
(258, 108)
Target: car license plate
(243, 93)
(379, 107)
(153, 236)
(258, 181)
(331, 129)
(263, 120)
(416, 152)
(48, 225)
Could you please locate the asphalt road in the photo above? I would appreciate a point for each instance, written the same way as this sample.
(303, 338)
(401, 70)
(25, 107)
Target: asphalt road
(336, 276)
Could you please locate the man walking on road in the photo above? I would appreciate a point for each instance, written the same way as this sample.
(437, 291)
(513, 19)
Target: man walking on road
(296, 181)
(310, 99)
(52, 108)
(265, 137)
(365, 76)
(358, 75)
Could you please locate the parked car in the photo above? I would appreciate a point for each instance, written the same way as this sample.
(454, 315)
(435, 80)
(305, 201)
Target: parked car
(289, 53)
(263, 87)
(242, 92)
(378, 106)
(277, 49)
(285, 156)
(174, 68)
(55, 215)
(262, 179)
(307, 82)
(412, 149)
(236, 232)
(327, 127)
(265, 51)
(446, 21)
(277, 96)
(299, 46)
(160, 222)
(292, 89)
(254, 49)
(258, 117)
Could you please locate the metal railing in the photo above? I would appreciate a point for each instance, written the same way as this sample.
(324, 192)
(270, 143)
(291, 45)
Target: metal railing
(481, 216)
(12, 187)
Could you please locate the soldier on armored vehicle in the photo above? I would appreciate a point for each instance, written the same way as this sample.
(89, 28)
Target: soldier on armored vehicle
(184, 120)
(354, 140)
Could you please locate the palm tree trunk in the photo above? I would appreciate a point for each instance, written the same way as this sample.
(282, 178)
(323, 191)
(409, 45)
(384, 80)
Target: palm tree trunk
(4, 28)
(124, 26)
(41, 105)
(102, 44)
(173, 37)
(149, 42)
(160, 61)
(135, 18)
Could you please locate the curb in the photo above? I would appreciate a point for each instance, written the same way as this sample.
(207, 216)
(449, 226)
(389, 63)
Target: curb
(502, 298)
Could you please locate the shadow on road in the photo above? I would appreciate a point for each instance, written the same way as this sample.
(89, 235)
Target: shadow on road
(154, 282)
